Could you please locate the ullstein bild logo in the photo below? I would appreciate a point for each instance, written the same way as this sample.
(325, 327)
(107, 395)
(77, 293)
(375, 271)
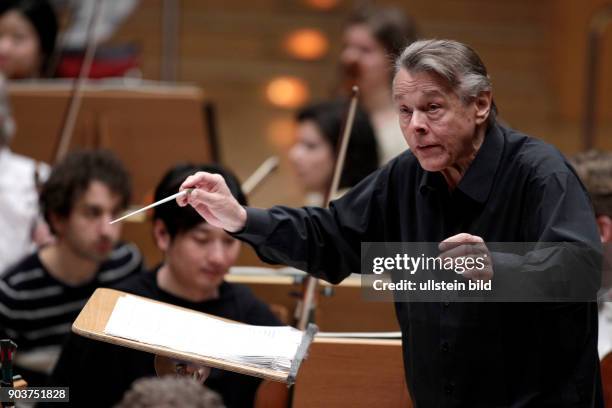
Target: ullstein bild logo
(430, 285)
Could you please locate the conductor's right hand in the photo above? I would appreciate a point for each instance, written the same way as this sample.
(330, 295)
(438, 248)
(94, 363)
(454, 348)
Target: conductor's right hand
(213, 200)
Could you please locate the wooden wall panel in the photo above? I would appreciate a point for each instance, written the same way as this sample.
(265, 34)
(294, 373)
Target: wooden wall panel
(534, 51)
(149, 128)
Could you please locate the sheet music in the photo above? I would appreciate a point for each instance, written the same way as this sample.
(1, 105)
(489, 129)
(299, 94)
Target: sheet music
(161, 325)
(360, 335)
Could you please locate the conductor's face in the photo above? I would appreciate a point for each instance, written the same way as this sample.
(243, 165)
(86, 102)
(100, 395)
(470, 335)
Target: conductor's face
(441, 129)
(200, 257)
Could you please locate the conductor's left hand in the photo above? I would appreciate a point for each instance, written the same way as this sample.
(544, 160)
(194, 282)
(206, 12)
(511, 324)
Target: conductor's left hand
(469, 246)
(213, 200)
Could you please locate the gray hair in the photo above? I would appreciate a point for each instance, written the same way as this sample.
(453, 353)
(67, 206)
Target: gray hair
(7, 124)
(169, 391)
(456, 63)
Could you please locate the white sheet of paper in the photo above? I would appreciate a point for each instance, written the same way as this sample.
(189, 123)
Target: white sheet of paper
(157, 324)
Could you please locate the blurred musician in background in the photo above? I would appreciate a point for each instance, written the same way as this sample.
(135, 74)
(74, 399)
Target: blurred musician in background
(373, 39)
(28, 31)
(21, 226)
(313, 155)
(169, 391)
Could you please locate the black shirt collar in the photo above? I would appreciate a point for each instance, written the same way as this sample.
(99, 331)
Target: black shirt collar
(432, 181)
(478, 179)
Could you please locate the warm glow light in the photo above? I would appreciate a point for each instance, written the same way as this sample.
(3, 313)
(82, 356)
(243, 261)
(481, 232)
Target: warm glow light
(322, 4)
(281, 133)
(307, 44)
(287, 92)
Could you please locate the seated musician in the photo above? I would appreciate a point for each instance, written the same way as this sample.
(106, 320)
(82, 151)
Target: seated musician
(41, 295)
(20, 222)
(197, 256)
(372, 37)
(313, 156)
(28, 31)
(169, 391)
(595, 170)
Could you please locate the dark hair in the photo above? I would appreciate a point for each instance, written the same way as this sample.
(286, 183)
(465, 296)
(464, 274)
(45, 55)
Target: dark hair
(181, 219)
(362, 152)
(72, 176)
(42, 16)
(392, 28)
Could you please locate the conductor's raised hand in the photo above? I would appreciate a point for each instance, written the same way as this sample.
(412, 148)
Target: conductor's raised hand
(213, 200)
(469, 246)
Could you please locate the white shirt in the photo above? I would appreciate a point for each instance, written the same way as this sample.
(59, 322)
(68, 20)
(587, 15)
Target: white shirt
(604, 342)
(390, 140)
(18, 205)
(112, 13)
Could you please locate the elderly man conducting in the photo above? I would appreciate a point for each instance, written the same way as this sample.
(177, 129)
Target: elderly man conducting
(466, 179)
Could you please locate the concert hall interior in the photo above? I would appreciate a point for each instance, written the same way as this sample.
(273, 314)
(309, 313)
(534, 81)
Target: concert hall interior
(301, 134)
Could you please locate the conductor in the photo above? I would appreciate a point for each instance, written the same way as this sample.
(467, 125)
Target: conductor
(466, 179)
